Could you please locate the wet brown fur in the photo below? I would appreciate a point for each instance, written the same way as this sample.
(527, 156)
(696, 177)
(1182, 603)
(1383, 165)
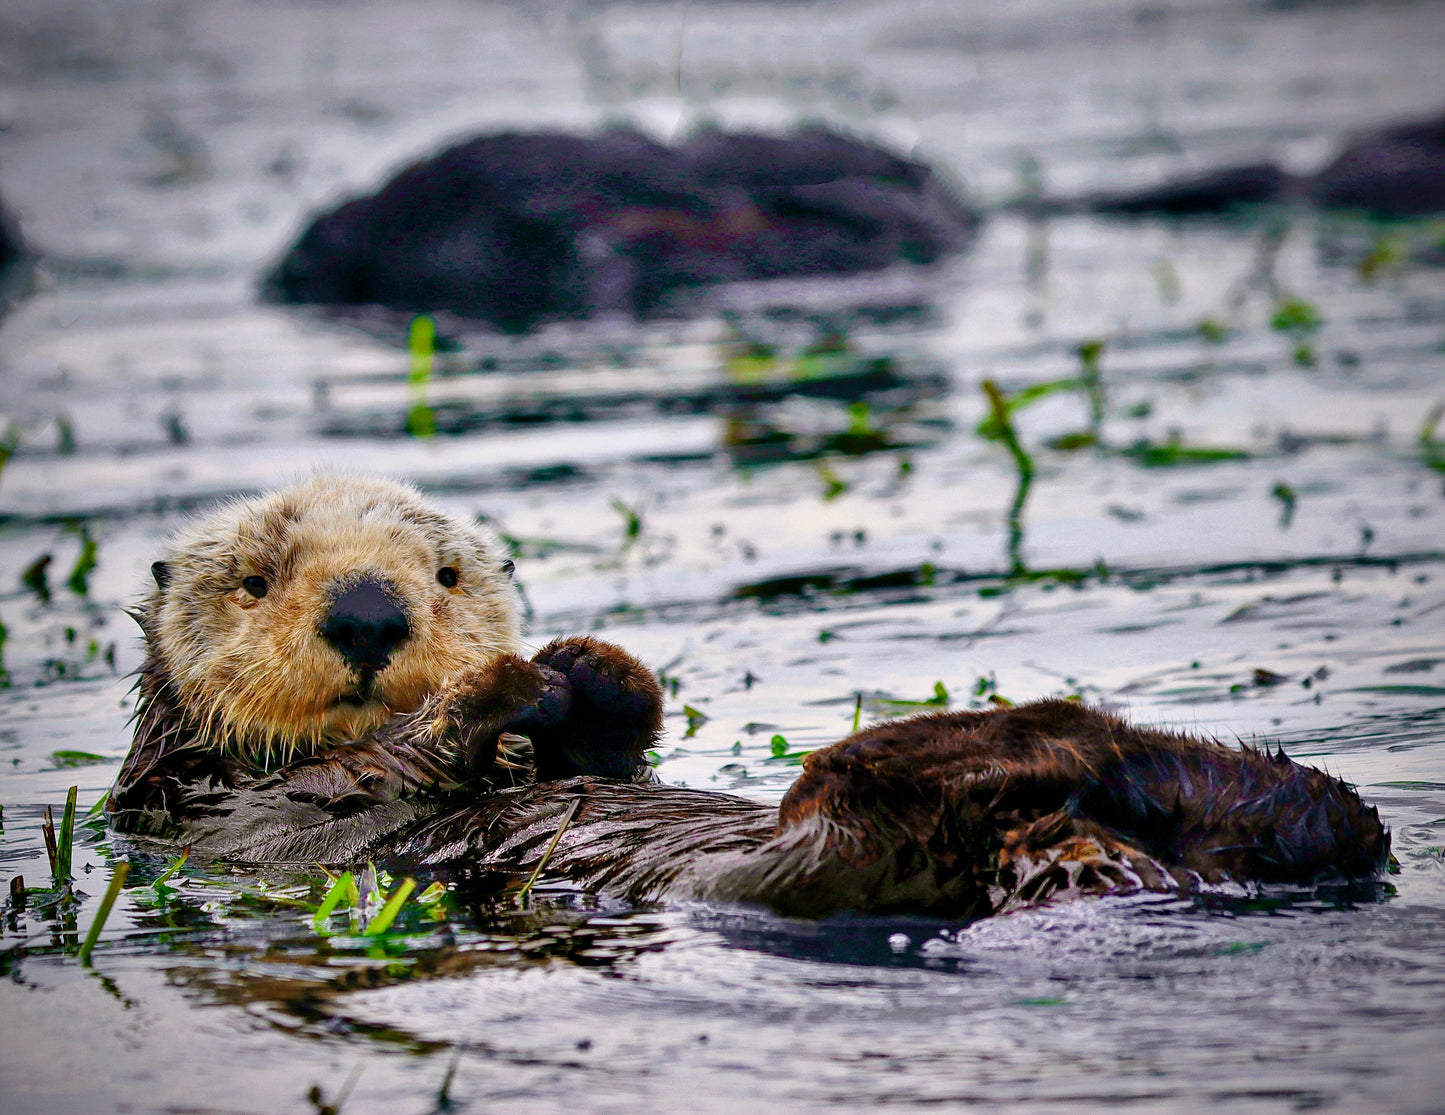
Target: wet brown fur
(239, 692)
(966, 812)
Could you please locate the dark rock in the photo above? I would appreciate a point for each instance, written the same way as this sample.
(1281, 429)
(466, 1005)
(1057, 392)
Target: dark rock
(517, 228)
(1395, 172)
(1398, 172)
(1215, 191)
(15, 260)
(12, 248)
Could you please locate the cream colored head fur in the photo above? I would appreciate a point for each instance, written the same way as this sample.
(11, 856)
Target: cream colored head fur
(255, 674)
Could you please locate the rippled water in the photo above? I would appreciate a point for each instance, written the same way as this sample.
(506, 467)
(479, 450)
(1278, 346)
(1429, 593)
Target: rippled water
(162, 155)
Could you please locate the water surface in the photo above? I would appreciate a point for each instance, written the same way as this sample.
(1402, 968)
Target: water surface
(163, 156)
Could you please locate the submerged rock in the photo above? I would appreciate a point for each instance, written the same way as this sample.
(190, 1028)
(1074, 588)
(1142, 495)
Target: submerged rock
(1395, 172)
(516, 228)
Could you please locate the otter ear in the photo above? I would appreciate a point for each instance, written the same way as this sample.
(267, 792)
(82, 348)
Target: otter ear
(509, 567)
(162, 573)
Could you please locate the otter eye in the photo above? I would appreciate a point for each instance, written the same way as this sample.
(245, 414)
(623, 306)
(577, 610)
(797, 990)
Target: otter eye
(256, 586)
(508, 566)
(447, 577)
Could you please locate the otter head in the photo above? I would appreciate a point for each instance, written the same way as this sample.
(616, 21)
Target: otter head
(311, 615)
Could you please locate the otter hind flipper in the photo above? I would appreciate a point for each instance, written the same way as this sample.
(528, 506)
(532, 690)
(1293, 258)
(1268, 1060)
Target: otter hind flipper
(1062, 854)
(615, 714)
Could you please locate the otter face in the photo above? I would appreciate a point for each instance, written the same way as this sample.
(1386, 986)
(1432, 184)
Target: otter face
(312, 615)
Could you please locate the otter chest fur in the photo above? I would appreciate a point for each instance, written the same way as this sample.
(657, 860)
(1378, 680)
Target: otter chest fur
(334, 673)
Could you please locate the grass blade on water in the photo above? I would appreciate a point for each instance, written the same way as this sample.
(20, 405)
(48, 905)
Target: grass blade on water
(421, 340)
(551, 847)
(382, 922)
(343, 888)
(180, 862)
(47, 830)
(117, 880)
(66, 847)
(1023, 465)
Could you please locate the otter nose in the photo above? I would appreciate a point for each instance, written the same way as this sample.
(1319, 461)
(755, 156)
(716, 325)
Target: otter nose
(365, 625)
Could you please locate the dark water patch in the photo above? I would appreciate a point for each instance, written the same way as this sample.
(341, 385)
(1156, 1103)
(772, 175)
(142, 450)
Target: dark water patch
(167, 508)
(1404, 690)
(840, 582)
(1414, 666)
(877, 382)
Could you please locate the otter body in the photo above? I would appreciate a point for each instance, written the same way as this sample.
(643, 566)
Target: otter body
(333, 675)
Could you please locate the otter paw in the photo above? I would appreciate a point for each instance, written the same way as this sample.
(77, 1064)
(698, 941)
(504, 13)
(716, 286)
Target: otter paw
(509, 695)
(615, 716)
(604, 679)
(546, 698)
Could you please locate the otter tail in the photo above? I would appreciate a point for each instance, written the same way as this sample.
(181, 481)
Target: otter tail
(1246, 814)
(1022, 803)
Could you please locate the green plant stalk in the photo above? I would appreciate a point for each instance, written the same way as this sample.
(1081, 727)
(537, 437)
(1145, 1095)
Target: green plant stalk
(382, 922)
(34, 578)
(1430, 448)
(1089, 353)
(421, 341)
(117, 880)
(1287, 498)
(551, 847)
(857, 711)
(1023, 464)
(47, 830)
(169, 872)
(860, 421)
(66, 846)
(833, 485)
(339, 889)
(1024, 397)
(85, 562)
(9, 442)
(633, 528)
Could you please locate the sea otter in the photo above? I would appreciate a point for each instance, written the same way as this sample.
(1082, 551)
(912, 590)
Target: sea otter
(333, 673)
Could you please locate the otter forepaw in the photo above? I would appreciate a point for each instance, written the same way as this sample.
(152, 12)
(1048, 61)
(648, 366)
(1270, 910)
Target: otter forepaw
(616, 712)
(547, 700)
(509, 695)
(604, 678)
